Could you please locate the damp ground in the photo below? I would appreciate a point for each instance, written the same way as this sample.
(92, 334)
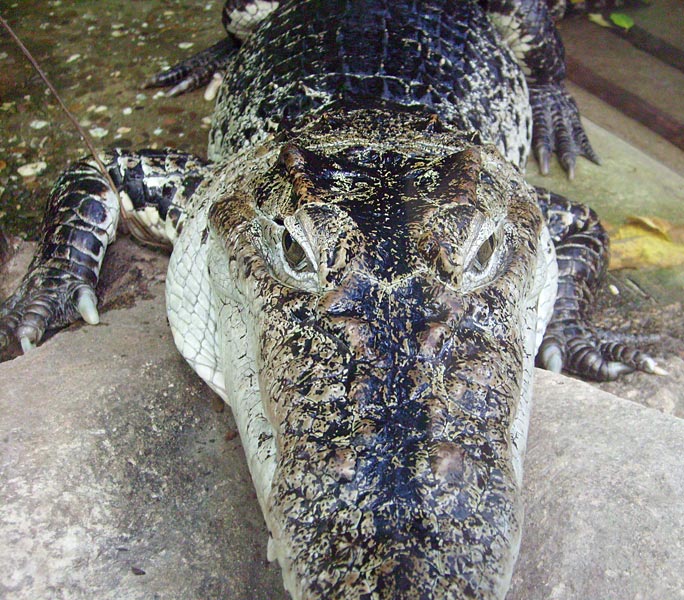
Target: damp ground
(97, 55)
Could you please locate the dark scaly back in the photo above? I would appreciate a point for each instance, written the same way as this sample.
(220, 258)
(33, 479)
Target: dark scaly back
(440, 57)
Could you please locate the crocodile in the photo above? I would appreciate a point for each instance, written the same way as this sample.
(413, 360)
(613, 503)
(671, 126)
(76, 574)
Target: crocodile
(362, 273)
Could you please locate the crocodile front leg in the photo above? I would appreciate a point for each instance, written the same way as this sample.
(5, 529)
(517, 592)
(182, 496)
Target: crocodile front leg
(527, 28)
(570, 342)
(240, 18)
(81, 221)
(154, 187)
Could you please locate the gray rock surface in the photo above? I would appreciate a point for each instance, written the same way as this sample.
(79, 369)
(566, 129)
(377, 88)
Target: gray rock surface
(604, 483)
(120, 479)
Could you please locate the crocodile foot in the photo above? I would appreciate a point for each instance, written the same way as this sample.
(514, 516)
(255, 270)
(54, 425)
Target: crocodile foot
(579, 349)
(198, 70)
(556, 127)
(47, 298)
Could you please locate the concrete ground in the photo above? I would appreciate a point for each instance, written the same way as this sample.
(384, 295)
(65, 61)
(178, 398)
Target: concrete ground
(120, 478)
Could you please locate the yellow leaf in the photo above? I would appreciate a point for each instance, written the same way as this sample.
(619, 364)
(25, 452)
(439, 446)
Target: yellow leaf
(646, 242)
(599, 19)
(655, 225)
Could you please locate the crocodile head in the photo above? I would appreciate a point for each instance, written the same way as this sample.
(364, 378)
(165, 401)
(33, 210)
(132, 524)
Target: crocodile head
(378, 300)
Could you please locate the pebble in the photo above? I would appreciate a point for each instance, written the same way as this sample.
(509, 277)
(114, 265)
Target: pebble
(185, 45)
(98, 132)
(127, 111)
(38, 124)
(31, 169)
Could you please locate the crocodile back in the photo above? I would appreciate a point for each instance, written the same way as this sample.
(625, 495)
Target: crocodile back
(436, 56)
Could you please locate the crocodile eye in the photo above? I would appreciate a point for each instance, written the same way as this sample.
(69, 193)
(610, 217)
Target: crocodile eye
(294, 253)
(483, 256)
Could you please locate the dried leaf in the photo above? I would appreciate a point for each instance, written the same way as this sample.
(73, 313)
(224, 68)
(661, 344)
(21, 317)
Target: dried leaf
(644, 241)
(598, 19)
(655, 225)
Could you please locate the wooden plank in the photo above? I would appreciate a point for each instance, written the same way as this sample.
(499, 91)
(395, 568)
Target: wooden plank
(647, 42)
(626, 102)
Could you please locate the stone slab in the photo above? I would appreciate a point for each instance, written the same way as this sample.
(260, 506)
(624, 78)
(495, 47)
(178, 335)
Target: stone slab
(603, 488)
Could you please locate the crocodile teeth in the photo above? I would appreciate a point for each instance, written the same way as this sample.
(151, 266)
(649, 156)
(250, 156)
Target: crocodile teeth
(87, 306)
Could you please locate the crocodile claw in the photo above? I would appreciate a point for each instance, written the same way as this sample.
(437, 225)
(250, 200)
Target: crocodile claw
(543, 158)
(556, 127)
(26, 344)
(87, 306)
(48, 298)
(576, 348)
(651, 366)
(196, 71)
(567, 161)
